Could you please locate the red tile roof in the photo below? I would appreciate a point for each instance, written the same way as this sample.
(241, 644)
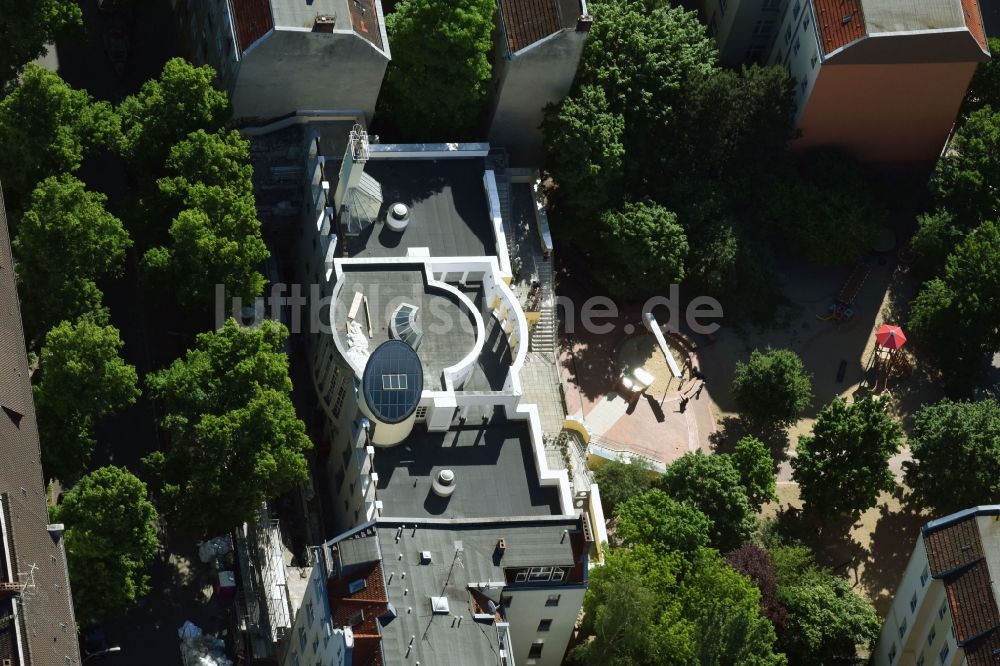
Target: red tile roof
(953, 547)
(973, 608)
(371, 601)
(840, 22)
(364, 18)
(527, 21)
(252, 19)
(974, 21)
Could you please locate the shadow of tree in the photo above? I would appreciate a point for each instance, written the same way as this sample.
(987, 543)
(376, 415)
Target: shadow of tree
(831, 541)
(890, 548)
(734, 428)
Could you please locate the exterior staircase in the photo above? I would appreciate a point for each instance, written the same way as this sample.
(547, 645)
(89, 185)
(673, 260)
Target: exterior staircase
(543, 335)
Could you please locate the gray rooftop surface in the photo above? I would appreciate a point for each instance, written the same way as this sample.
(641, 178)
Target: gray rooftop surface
(449, 213)
(904, 15)
(494, 472)
(448, 327)
(461, 554)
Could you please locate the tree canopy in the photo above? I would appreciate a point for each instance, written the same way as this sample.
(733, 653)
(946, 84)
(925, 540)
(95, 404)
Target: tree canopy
(843, 466)
(235, 440)
(66, 240)
(956, 455)
(956, 317)
(754, 562)
(618, 481)
(46, 127)
(984, 90)
(165, 110)
(648, 609)
(110, 541)
(83, 378)
(772, 387)
(844, 217)
(756, 467)
(965, 175)
(435, 88)
(712, 485)
(656, 520)
(26, 28)
(699, 141)
(644, 245)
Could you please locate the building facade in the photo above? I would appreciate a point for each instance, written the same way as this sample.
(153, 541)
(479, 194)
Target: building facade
(282, 56)
(880, 79)
(537, 48)
(945, 609)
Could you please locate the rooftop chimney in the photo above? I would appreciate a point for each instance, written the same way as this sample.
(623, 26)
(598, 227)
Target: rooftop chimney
(324, 22)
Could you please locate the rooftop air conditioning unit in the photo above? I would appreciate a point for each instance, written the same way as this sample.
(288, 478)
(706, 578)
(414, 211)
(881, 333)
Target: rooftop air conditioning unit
(325, 22)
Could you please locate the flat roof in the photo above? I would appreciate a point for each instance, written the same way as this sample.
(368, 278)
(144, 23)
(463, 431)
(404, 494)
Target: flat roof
(361, 16)
(38, 560)
(447, 325)
(494, 469)
(909, 15)
(449, 213)
(462, 556)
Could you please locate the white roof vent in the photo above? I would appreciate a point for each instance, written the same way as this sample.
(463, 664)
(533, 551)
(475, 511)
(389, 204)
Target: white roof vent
(440, 605)
(425, 557)
(444, 483)
(398, 217)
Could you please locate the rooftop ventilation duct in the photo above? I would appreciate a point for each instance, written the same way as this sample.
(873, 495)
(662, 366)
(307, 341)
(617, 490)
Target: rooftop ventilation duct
(444, 483)
(398, 217)
(439, 605)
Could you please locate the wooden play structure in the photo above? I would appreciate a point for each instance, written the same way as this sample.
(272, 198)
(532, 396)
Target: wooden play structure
(886, 358)
(842, 308)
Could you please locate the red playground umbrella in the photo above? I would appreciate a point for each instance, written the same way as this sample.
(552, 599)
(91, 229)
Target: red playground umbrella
(890, 337)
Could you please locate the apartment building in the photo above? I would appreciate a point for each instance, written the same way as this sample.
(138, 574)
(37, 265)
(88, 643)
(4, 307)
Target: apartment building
(945, 610)
(37, 626)
(430, 467)
(880, 79)
(276, 57)
(537, 48)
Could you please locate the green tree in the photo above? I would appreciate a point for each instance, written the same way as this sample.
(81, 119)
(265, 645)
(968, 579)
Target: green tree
(956, 317)
(167, 109)
(772, 387)
(956, 455)
(712, 485)
(985, 87)
(83, 378)
(235, 440)
(827, 620)
(844, 218)
(619, 480)
(216, 241)
(65, 241)
(46, 128)
(656, 520)
(220, 159)
(936, 236)
(644, 248)
(844, 465)
(110, 541)
(965, 176)
(436, 85)
(643, 609)
(756, 467)
(26, 28)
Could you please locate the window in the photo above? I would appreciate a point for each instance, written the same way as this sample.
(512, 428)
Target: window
(788, 34)
(754, 53)
(944, 653)
(804, 85)
(771, 5)
(797, 9)
(795, 49)
(892, 653)
(813, 60)
(902, 628)
(943, 609)
(913, 602)
(713, 27)
(923, 577)
(310, 614)
(931, 636)
(544, 625)
(805, 22)
(536, 650)
(553, 600)
(920, 662)
(394, 382)
(722, 7)
(302, 638)
(339, 402)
